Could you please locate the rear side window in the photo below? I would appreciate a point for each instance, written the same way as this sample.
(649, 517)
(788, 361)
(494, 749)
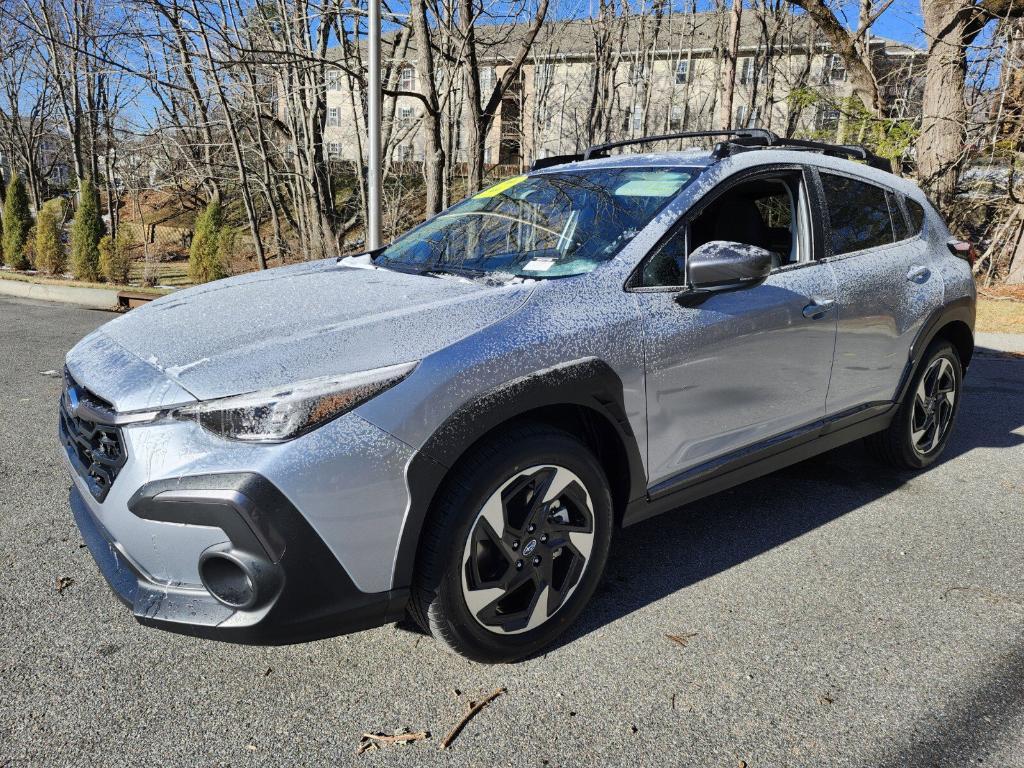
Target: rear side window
(916, 216)
(898, 219)
(859, 214)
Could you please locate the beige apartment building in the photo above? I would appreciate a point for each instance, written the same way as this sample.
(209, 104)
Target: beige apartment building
(587, 81)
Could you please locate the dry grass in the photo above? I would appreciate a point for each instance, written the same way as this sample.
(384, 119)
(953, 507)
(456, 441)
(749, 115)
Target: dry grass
(1000, 315)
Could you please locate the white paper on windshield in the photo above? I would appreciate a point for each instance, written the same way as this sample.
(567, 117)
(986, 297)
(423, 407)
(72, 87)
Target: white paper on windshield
(539, 265)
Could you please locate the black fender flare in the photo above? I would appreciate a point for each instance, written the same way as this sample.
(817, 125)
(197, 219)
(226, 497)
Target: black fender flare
(959, 310)
(588, 383)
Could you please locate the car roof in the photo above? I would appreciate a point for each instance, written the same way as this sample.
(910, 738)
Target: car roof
(703, 158)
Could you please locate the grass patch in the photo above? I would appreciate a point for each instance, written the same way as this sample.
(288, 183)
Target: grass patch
(1000, 315)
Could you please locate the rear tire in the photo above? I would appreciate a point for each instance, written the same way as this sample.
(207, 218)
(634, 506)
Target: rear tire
(921, 427)
(515, 545)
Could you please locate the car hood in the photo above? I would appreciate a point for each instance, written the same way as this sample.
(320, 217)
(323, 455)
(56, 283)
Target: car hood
(277, 327)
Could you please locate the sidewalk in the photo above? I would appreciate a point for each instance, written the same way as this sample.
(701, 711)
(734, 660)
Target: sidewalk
(1000, 342)
(83, 296)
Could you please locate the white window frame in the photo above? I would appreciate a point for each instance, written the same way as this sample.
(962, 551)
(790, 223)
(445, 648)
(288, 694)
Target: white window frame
(682, 71)
(407, 78)
(836, 69)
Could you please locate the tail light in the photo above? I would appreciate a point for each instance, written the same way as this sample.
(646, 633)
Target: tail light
(962, 249)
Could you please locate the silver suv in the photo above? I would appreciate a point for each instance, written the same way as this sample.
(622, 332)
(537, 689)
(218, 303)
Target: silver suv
(454, 426)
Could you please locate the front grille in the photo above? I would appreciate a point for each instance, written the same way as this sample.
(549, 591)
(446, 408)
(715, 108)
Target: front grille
(96, 449)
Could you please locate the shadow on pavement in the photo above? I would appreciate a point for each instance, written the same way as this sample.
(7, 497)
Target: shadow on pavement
(668, 553)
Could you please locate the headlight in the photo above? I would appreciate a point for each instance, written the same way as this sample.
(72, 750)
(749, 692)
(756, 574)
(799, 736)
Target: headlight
(282, 413)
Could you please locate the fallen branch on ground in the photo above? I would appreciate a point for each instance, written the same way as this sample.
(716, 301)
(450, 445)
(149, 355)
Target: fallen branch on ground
(370, 741)
(683, 639)
(471, 712)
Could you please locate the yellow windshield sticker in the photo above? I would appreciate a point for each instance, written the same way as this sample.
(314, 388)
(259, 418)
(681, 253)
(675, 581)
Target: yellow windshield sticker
(501, 186)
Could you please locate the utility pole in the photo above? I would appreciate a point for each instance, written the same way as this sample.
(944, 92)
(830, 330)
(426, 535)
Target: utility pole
(373, 176)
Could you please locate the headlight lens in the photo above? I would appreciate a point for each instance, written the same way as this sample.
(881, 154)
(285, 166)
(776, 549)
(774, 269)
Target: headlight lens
(283, 413)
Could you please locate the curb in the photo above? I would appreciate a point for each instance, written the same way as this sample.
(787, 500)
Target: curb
(96, 298)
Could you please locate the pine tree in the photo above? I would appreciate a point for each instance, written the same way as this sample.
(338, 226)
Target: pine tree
(50, 253)
(86, 231)
(205, 257)
(116, 256)
(17, 223)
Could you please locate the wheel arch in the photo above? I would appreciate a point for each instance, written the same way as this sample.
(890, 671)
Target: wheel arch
(584, 398)
(959, 334)
(954, 322)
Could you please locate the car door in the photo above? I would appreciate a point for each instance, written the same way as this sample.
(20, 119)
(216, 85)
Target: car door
(743, 366)
(886, 288)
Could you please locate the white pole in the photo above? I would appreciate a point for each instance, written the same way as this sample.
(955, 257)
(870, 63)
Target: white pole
(373, 127)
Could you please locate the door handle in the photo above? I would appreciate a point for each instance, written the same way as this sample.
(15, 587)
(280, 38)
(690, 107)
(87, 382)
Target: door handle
(919, 274)
(818, 309)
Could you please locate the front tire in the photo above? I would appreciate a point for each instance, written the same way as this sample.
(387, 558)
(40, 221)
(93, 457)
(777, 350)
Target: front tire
(921, 427)
(515, 545)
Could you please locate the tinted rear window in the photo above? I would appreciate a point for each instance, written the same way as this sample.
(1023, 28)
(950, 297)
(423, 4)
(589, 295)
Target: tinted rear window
(916, 216)
(859, 214)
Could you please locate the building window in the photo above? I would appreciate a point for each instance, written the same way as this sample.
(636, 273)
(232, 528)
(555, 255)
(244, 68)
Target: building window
(487, 155)
(407, 78)
(333, 80)
(334, 150)
(836, 69)
(683, 71)
(333, 117)
(747, 72)
(741, 116)
(677, 117)
(826, 119)
(403, 153)
(405, 117)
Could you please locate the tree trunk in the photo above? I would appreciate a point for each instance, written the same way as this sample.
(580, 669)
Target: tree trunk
(729, 70)
(944, 111)
(1015, 275)
(433, 146)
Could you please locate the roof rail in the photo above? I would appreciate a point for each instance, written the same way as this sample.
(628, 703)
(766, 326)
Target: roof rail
(599, 150)
(739, 140)
(853, 151)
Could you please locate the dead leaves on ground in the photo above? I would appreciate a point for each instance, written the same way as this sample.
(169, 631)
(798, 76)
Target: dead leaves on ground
(63, 583)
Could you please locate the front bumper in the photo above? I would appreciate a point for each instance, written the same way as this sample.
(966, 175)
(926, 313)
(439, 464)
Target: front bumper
(300, 590)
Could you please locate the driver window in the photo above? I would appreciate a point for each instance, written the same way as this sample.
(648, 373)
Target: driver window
(765, 212)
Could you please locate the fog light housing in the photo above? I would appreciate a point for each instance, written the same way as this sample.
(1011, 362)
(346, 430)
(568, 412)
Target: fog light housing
(230, 579)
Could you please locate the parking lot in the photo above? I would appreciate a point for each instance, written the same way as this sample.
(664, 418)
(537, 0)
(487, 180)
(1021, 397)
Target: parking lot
(834, 613)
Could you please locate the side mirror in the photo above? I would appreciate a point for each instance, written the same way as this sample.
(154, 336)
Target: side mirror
(722, 265)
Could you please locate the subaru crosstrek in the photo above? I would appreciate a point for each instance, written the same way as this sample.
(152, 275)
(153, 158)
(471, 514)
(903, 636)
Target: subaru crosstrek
(453, 427)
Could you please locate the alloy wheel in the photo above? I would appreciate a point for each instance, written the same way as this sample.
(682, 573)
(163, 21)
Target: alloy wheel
(527, 549)
(934, 405)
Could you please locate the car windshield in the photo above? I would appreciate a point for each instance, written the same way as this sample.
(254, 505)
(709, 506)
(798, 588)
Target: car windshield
(547, 225)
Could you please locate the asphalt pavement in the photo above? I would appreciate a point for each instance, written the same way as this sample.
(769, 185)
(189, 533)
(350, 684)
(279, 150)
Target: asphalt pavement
(837, 613)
